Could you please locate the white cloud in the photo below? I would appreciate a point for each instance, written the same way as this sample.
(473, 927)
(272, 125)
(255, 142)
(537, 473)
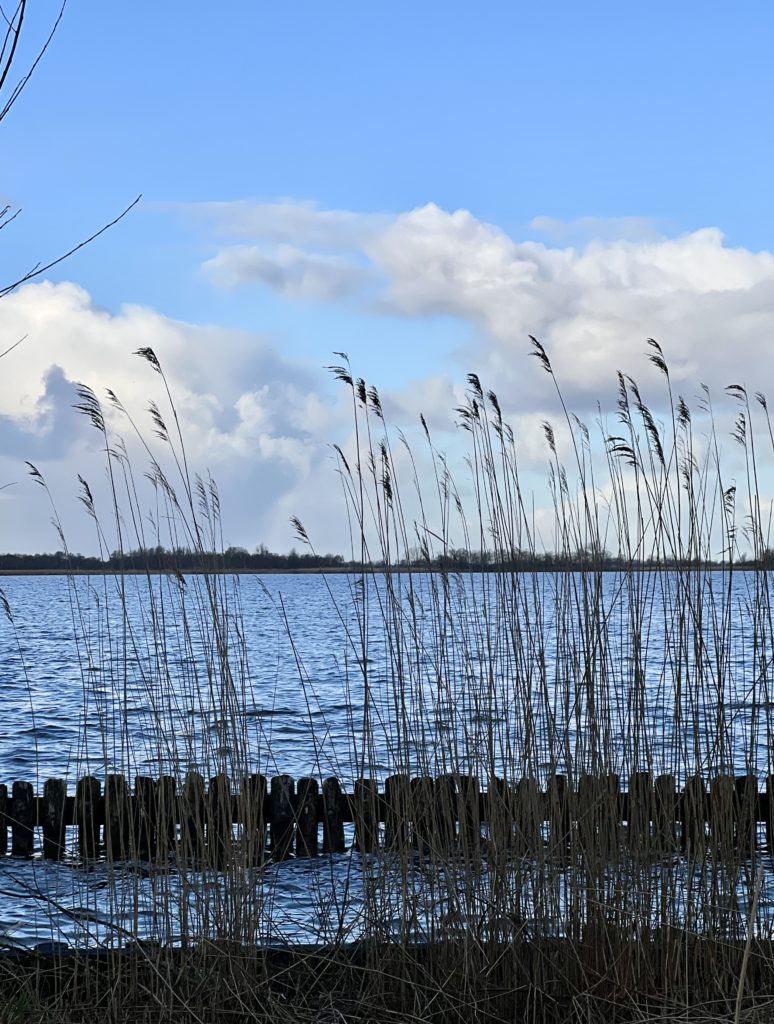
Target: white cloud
(288, 271)
(246, 414)
(593, 306)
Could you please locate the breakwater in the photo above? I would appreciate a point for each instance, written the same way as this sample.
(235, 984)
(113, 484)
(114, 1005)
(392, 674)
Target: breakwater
(209, 821)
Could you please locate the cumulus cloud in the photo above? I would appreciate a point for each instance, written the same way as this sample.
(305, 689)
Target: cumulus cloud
(251, 417)
(260, 420)
(592, 305)
(288, 271)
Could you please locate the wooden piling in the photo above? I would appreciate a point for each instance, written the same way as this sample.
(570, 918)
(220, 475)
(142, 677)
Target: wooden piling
(746, 813)
(694, 815)
(22, 819)
(640, 812)
(366, 814)
(333, 823)
(469, 833)
(722, 798)
(52, 818)
(252, 803)
(193, 815)
(307, 792)
(3, 821)
(145, 817)
(88, 791)
(529, 814)
(165, 815)
(117, 819)
(558, 795)
(219, 815)
(423, 816)
(282, 816)
(664, 812)
(500, 816)
(397, 796)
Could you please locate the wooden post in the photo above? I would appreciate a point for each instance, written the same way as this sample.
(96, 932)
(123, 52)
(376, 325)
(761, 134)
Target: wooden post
(770, 812)
(587, 813)
(558, 795)
(528, 815)
(640, 812)
(664, 812)
(87, 799)
(52, 818)
(469, 816)
(444, 825)
(166, 815)
(3, 821)
(281, 817)
(193, 817)
(145, 817)
(746, 807)
(117, 819)
(333, 825)
(722, 800)
(306, 817)
(219, 821)
(397, 796)
(694, 814)
(366, 814)
(500, 817)
(253, 800)
(423, 813)
(22, 819)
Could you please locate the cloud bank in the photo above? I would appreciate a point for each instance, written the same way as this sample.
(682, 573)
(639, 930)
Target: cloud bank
(261, 420)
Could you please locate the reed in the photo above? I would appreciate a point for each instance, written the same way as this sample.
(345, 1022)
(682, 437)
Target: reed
(579, 682)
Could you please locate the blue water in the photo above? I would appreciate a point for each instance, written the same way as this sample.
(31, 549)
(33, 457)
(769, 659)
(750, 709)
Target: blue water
(543, 673)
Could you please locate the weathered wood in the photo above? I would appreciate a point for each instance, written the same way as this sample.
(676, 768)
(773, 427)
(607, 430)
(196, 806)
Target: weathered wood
(252, 804)
(665, 812)
(193, 814)
(3, 821)
(423, 813)
(770, 812)
(501, 817)
(366, 811)
(640, 811)
(88, 792)
(166, 815)
(558, 796)
(52, 818)
(722, 813)
(694, 815)
(746, 811)
(397, 796)
(333, 823)
(468, 811)
(117, 819)
(529, 813)
(281, 819)
(443, 826)
(219, 814)
(22, 819)
(145, 817)
(307, 792)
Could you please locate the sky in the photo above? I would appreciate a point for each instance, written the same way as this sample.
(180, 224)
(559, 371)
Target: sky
(422, 186)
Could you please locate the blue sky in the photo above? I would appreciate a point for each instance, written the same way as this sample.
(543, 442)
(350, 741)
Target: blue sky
(283, 151)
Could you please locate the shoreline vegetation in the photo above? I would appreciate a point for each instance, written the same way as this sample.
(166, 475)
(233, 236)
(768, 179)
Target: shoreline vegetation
(238, 561)
(576, 917)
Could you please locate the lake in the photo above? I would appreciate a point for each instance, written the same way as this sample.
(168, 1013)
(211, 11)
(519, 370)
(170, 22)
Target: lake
(336, 674)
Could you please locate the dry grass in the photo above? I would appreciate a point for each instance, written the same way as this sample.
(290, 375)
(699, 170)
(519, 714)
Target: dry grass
(525, 676)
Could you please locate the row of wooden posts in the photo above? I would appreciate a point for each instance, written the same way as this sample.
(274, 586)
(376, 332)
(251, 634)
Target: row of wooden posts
(284, 817)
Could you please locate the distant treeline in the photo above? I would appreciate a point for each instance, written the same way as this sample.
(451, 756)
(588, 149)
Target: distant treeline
(235, 559)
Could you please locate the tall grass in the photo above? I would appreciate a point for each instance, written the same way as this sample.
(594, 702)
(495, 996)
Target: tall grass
(576, 682)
